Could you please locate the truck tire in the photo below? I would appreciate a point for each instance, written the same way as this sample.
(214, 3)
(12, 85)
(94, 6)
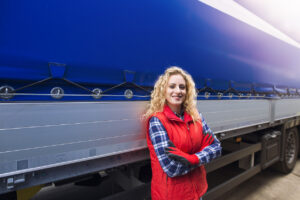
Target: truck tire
(290, 152)
(298, 142)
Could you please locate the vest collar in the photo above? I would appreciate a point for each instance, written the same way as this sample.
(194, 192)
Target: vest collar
(171, 115)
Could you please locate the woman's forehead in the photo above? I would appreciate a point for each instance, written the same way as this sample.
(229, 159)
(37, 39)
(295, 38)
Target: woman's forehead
(176, 78)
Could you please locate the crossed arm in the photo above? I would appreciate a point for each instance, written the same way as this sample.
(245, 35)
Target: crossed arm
(172, 167)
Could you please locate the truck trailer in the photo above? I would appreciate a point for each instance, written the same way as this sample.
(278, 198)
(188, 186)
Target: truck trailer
(76, 77)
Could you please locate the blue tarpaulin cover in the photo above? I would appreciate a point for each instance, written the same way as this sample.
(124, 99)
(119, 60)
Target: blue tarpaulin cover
(99, 42)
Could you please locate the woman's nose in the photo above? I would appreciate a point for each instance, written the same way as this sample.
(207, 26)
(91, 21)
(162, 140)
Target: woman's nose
(177, 89)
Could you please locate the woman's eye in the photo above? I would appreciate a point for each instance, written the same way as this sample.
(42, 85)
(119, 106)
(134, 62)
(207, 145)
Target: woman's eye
(182, 87)
(172, 86)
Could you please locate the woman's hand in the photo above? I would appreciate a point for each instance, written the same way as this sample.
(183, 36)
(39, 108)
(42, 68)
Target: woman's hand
(181, 156)
(207, 140)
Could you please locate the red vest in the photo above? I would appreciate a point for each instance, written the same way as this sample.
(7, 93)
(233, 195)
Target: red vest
(186, 136)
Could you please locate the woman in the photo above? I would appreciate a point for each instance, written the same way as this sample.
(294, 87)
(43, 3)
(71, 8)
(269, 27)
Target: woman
(179, 140)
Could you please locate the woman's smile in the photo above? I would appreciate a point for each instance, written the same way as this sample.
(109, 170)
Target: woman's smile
(177, 98)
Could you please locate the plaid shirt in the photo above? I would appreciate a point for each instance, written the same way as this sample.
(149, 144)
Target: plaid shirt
(171, 167)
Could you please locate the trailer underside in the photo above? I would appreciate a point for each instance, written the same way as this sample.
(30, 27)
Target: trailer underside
(57, 141)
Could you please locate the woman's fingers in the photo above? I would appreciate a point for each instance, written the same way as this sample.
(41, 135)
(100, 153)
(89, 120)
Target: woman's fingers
(170, 144)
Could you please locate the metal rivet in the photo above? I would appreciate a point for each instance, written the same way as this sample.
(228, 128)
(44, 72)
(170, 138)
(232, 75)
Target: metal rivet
(128, 94)
(5, 92)
(57, 93)
(206, 94)
(220, 94)
(97, 93)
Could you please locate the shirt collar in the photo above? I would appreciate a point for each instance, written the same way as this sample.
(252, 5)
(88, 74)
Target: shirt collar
(172, 116)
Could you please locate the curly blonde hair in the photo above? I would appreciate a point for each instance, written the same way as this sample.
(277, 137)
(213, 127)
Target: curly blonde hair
(158, 99)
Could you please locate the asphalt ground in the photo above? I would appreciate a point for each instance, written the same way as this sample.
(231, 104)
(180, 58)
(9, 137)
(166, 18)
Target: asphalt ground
(268, 185)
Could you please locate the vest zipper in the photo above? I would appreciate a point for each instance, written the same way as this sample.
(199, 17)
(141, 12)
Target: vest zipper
(187, 125)
(167, 186)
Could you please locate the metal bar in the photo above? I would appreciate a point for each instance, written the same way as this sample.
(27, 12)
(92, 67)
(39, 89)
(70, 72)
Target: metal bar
(272, 111)
(32, 84)
(80, 86)
(61, 164)
(227, 159)
(113, 87)
(231, 183)
(73, 95)
(77, 169)
(252, 159)
(141, 88)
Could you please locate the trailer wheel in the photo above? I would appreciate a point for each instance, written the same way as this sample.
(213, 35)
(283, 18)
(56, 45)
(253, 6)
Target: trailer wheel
(290, 152)
(298, 141)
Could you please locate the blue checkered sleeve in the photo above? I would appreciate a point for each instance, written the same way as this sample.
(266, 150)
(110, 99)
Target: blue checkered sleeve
(159, 139)
(212, 151)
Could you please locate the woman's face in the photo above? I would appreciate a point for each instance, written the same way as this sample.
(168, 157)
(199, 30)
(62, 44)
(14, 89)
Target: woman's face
(175, 92)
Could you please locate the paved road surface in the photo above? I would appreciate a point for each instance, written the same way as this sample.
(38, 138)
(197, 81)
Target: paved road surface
(269, 185)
